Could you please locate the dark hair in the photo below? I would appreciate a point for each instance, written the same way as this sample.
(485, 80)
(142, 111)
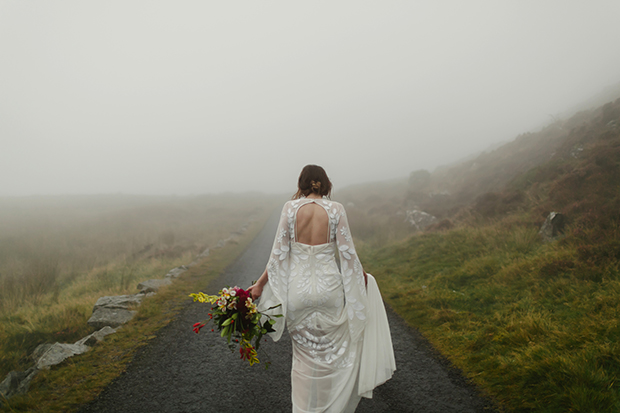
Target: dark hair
(313, 179)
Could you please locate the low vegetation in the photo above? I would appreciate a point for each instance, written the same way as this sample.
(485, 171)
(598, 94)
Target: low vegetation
(535, 324)
(58, 255)
(80, 379)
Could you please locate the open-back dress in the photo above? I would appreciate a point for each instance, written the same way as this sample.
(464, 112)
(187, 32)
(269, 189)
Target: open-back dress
(341, 341)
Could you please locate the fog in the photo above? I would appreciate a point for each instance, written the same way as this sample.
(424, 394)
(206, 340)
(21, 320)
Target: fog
(201, 96)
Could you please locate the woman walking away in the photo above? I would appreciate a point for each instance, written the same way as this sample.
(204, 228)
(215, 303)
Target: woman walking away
(334, 314)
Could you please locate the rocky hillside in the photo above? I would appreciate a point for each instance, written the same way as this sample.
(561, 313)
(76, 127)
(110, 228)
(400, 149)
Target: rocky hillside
(532, 319)
(570, 165)
(514, 167)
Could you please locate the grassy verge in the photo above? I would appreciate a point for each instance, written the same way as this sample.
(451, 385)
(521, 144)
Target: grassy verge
(535, 325)
(58, 255)
(80, 379)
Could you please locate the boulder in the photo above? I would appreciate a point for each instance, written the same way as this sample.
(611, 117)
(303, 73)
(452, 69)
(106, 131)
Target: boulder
(153, 285)
(175, 272)
(17, 382)
(419, 219)
(234, 238)
(9, 385)
(24, 385)
(112, 317)
(553, 227)
(59, 352)
(96, 337)
(40, 350)
(119, 301)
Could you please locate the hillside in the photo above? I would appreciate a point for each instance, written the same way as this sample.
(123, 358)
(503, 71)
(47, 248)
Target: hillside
(513, 176)
(536, 324)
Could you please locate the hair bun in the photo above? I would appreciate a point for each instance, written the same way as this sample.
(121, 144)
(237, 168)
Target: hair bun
(316, 186)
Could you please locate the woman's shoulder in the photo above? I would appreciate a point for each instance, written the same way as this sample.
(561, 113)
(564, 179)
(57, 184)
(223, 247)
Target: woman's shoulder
(291, 204)
(334, 206)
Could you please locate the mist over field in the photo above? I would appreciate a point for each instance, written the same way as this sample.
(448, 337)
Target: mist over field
(205, 97)
(475, 146)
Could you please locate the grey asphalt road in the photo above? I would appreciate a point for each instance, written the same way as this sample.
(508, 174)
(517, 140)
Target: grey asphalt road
(180, 371)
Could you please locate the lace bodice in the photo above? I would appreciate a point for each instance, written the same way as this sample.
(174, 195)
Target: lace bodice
(283, 265)
(341, 340)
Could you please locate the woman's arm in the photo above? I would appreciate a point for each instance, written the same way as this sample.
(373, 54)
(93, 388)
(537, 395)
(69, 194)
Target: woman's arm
(353, 276)
(257, 289)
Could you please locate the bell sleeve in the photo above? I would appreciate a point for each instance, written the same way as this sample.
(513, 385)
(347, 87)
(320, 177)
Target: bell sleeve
(367, 317)
(275, 290)
(356, 300)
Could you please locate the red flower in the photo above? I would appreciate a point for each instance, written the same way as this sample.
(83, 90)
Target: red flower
(241, 293)
(197, 327)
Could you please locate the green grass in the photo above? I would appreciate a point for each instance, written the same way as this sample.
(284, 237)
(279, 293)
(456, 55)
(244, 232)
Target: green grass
(81, 378)
(59, 255)
(535, 325)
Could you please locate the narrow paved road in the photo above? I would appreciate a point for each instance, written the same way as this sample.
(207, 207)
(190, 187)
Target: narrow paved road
(182, 372)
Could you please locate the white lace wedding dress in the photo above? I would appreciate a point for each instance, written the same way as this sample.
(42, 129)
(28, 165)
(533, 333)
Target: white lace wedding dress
(341, 341)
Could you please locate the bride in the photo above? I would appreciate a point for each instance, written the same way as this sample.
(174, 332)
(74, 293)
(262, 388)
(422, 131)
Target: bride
(333, 311)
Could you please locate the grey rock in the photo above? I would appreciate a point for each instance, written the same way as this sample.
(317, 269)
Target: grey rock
(220, 243)
(553, 227)
(205, 253)
(40, 350)
(119, 301)
(17, 382)
(9, 385)
(419, 219)
(59, 352)
(96, 337)
(153, 285)
(176, 272)
(234, 238)
(24, 385)
(112, 317)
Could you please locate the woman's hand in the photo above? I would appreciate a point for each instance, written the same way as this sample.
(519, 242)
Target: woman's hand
(255, 291)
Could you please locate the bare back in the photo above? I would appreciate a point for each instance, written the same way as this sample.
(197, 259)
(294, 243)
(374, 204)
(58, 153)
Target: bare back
(312, 226)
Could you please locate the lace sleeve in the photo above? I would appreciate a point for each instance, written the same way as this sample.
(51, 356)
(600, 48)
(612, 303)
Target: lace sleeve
(352, 275)
(278, 266)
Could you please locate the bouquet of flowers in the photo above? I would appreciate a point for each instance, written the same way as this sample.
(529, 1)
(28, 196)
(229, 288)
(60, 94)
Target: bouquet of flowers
(235, 316)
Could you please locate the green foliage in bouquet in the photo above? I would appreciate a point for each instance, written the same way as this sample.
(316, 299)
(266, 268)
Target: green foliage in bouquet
(236, 318)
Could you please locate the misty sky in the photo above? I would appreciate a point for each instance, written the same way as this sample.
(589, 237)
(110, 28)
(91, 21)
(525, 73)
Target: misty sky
(183, 97)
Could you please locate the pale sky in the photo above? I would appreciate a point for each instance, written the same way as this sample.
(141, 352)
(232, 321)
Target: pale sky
(189, 97)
